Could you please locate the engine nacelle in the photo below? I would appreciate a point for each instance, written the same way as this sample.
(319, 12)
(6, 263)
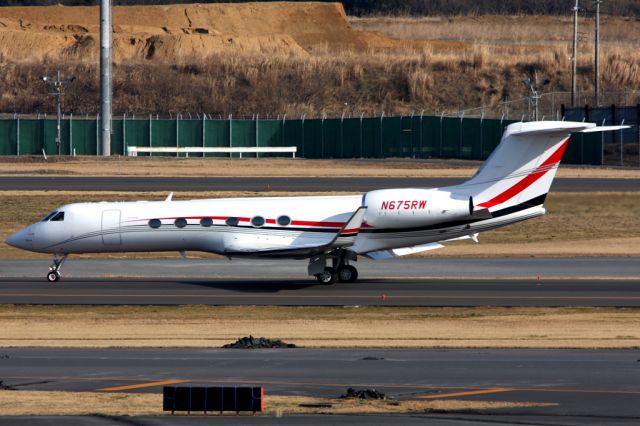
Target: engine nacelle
(408, 208)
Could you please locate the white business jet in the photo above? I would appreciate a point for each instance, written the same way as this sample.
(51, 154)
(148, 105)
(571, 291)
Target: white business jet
(331, 232)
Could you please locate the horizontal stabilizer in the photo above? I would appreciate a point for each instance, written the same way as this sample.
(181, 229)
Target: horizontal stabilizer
(604, 129)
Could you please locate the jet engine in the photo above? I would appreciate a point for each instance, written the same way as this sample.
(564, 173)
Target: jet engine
(407, 208)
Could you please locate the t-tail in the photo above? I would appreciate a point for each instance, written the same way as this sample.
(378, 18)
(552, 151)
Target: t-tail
(521, 169)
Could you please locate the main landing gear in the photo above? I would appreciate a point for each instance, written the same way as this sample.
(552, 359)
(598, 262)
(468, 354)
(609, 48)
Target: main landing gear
(54, 270)
(340, 271)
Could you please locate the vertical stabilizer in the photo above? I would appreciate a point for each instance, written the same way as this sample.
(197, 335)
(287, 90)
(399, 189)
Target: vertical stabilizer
(522, 167)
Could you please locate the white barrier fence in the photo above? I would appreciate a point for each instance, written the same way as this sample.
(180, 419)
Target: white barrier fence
(134, 150)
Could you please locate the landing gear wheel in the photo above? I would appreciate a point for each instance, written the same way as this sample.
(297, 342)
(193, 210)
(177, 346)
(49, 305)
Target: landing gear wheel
(347, 274)
(53, 276)
(328, 276)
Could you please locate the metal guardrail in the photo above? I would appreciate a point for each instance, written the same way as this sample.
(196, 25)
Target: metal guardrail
(133, 151)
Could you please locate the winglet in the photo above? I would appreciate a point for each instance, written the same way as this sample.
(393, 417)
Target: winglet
(347, 235)
(169, 197)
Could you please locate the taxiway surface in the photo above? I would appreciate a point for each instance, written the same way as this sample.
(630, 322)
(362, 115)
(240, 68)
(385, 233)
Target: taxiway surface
(289, 184)
(580, 386)
(400, 282)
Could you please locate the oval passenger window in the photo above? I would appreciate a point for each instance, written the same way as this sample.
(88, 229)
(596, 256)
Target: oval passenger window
(206, 221)
(257, 221)
(284, 220)
(180, 223)
(155, 223)
(232, 221)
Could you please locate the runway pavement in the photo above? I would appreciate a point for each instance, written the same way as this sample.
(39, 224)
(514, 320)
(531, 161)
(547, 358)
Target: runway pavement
(580, 386)
(399, 282)
(260, 184)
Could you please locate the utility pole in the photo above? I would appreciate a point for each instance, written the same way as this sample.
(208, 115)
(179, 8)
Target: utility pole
(597, 55)
(574, 57)
(105, 75)
(57, 87)
(536, 92)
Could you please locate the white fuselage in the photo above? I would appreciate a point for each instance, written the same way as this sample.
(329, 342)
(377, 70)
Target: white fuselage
(394, 218)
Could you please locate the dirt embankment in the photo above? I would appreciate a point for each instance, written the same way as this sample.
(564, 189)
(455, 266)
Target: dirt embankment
(178, 31)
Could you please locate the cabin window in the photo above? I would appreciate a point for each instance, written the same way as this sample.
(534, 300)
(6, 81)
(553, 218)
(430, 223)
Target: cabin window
(49, 216)
(58, 217)
(206, 222)
(155, 223)
(180, 222)
(232, 221)
(257, 221)
(283, 220)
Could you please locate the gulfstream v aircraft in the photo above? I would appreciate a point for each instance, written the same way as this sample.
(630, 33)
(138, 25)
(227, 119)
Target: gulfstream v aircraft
(331, 232)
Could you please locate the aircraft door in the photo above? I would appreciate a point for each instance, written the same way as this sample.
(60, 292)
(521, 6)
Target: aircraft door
(111, 227)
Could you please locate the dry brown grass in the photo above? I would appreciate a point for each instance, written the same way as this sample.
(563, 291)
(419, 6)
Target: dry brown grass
(213, 326)
(576, 224)
(56, 403)
(455, 63)
(266, 167)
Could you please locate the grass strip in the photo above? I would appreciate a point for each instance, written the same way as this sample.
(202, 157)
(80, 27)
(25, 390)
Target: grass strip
(319, 327)
(58, 403)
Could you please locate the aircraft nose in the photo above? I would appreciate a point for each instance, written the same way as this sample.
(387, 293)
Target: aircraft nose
(20, 239)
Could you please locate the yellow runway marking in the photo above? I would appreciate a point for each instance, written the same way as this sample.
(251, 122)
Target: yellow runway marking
(143, 385)
(466, 393)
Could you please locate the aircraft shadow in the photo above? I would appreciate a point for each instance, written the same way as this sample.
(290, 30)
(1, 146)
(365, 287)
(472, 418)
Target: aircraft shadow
(254, 286)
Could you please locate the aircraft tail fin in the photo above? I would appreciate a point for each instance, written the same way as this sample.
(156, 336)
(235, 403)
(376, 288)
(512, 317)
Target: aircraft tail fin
(523, 166)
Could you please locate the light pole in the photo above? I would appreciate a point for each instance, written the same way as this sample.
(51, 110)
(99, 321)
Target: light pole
(536, 90)
(57, 87)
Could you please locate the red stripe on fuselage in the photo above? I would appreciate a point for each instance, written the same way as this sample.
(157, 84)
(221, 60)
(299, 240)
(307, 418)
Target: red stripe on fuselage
(529, 179)
(312, 224)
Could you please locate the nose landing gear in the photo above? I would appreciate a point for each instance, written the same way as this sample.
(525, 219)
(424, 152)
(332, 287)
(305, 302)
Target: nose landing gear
(54, 270)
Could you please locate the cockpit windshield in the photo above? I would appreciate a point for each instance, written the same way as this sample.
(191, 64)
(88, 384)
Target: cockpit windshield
(54, 216)
(49, 216)
(59, 217)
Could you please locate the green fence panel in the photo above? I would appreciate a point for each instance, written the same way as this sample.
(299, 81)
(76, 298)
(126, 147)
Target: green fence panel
(190, 134)
(405, 138)
(313, 138)
(243, 133)
(451, 142)
(136, 133)
(163, 134)
(216, 135)
(9, 137)
(584, 149)
(351, 138)
(391, 142)
(470, 138)
(82, 137)
(31, 136)
(117, 138)
(293, 135)
(50, 134)
(431, 137)
(372, 138)
(270, 134)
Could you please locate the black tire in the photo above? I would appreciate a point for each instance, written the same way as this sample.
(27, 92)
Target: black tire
(327, 277)
(348, 274)
(53, 276)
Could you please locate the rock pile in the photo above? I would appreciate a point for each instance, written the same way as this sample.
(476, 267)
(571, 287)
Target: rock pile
(258, 343)
(363, 394)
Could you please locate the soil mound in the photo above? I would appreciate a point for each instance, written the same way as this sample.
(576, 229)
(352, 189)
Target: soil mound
(172, 32)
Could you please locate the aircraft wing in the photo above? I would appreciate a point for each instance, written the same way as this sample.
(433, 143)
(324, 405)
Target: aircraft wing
(404, 251)
(345, 237)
